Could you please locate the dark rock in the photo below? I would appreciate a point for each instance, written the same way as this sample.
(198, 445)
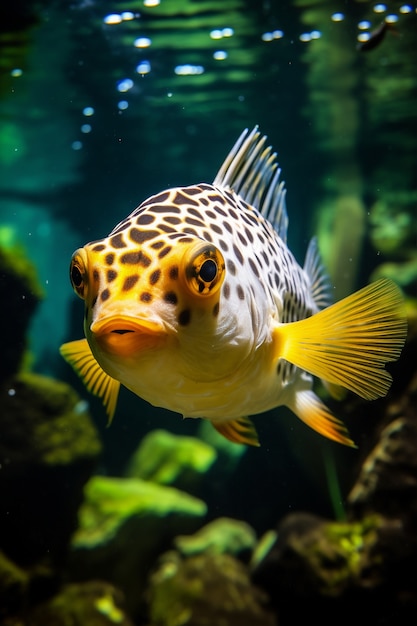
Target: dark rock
(13, 586)
(387, 481)
(93, 603)
(48, 450)
(205, 590)
(19, 295)
(320, 572)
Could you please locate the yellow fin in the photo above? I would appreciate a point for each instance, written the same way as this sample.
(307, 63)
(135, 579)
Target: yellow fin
(240, 430)
(78, 354)
(311, 410)
(349, 343)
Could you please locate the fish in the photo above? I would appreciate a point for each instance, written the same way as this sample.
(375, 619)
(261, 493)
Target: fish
(376, 37)
(195, 303)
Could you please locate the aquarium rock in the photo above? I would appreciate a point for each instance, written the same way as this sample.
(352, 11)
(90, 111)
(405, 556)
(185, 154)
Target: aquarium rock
(48, 450)
(124, 524)
(20, 294)
(13, 586)
(94, 603)
(213, 589)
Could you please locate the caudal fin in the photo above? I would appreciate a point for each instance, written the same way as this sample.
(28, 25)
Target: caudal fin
(350, 342)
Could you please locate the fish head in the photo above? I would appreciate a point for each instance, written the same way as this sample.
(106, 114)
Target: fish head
(147, 295)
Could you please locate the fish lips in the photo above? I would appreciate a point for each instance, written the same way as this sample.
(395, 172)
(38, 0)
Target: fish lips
(124, 336)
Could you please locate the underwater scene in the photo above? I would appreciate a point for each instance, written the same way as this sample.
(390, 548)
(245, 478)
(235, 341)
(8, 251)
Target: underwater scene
(155, 266)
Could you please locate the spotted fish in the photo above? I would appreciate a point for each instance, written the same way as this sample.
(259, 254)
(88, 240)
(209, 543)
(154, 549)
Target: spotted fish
(195, 303)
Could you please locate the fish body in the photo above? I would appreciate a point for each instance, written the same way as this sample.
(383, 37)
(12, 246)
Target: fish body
(376, 37)
(195, 303)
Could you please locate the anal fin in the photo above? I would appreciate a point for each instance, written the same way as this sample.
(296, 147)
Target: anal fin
(240, 430)
(311, 410)
(78, 354)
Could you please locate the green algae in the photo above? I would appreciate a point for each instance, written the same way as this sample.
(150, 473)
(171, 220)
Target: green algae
(49, 420)
(221, 536)
(207, 589)
(94, 603)
(340, 552)
(168, 459)
(20, 293)
(110, 502)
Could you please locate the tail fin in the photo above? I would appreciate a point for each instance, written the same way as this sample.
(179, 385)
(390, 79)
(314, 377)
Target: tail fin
(350, 342)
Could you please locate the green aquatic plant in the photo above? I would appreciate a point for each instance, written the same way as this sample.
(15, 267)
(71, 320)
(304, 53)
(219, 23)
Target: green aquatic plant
(333, 483)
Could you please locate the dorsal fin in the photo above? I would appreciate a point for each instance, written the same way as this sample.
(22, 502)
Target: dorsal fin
(320, 281)
(251, 170)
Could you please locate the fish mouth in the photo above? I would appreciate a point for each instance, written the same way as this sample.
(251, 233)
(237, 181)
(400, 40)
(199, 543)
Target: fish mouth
(126, 336)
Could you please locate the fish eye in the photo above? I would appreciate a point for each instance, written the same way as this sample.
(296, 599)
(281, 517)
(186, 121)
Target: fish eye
(78, 274)
(208, 271)
(204, 269)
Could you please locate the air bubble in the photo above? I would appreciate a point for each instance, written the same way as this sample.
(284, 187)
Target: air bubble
(144, 67)
(188, 70)
(124, 85)
(142, 42)
(112, 18)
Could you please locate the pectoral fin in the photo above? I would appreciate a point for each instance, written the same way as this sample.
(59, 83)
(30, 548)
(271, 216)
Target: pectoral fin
(350, 342)
(78, 354)
(311, 410)
(240, 430)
